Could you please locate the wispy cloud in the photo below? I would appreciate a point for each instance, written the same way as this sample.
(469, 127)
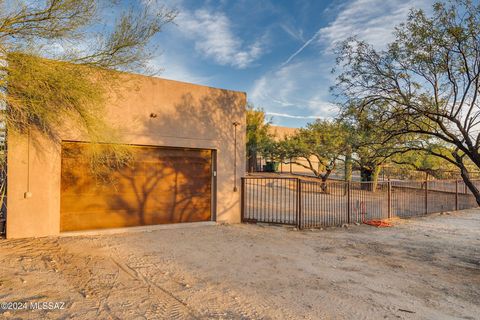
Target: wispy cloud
(176, 68)
(212, 34)
(295, 34)
(300, 84)
(369, 20)
(213, 37)
(299, 87)
(286, 115)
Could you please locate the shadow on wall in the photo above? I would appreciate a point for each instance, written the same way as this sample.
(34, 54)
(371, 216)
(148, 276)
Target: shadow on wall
(169, 186)
(161, 185)
(209, 120)
(210, 117)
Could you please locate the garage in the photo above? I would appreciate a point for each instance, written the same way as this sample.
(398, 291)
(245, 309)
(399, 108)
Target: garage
(160, 185)
(187, 142)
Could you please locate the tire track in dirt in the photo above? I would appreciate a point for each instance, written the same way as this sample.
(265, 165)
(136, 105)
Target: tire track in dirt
(171, 307)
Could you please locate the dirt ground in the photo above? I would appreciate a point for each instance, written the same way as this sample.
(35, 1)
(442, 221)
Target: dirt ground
(424, 268)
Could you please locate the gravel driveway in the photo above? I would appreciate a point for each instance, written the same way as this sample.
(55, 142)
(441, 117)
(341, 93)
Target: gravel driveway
(425, 268)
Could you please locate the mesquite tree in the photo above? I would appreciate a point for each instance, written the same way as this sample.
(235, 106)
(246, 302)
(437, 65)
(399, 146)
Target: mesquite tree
(425, 84)
(368, 152)
(425, 163)
(321, 144)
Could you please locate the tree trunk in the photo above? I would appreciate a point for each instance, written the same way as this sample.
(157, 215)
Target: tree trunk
(348, 167)
(366, 176)
(370, 175)
(376, 173)
(252, 161)
(470, 185)
(348, 170)
(466, 176)
(324, 178)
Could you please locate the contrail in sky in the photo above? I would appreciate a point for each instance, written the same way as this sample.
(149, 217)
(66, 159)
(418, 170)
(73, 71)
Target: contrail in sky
(302, 48)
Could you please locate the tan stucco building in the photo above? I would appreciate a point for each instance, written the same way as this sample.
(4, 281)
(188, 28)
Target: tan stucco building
(182, 139)
(281, 133)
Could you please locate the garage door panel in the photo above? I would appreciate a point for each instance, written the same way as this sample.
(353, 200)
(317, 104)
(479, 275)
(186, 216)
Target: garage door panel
(123, 218)
(160, 186)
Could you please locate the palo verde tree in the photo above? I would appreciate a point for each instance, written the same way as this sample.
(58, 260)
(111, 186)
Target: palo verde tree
(425, 84)
(320, 145)
(39, 94)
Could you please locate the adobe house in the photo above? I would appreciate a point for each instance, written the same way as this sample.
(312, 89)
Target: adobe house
(185, 168)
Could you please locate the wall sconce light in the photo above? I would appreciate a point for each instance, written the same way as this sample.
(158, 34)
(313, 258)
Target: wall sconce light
(153, 115)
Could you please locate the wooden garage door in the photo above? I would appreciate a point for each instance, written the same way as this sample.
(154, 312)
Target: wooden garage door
(160, 185)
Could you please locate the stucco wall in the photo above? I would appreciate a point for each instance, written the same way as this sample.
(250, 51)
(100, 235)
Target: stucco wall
(281, 132)
(187, 116)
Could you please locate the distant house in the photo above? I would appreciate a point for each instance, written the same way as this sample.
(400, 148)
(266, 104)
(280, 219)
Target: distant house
(184, 167)
(287, 166)
(282, 132)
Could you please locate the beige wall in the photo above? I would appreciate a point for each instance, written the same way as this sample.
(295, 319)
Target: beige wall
(281, 132)
(187, 116)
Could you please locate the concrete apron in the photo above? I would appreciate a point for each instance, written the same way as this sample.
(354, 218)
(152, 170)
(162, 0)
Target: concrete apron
(184, 225)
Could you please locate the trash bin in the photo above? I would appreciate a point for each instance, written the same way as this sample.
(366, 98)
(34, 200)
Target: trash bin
(271, 166)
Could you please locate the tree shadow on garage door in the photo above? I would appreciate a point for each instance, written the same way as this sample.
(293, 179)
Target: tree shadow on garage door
(164, 185)
(168, 186)
(160, 185)
(207, 121)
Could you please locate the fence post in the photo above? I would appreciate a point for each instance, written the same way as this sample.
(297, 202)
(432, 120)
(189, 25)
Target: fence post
(456, 195)
(242, 200)
(299, 204)
(426, 196)
(349, 202)
(389, 185)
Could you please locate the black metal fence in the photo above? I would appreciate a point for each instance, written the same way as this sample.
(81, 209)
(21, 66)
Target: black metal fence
(307, 203)
(3, 199)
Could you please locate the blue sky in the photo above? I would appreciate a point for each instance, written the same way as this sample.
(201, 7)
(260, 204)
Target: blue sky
(279, 52)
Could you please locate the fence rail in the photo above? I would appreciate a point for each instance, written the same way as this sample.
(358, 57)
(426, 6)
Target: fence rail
(313, 204)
